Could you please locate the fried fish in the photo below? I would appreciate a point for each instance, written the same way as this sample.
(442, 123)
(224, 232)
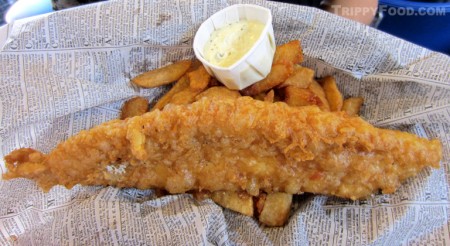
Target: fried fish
(234, 145)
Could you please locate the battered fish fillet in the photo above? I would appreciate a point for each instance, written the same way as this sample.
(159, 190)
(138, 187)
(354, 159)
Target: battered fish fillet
(234, 145)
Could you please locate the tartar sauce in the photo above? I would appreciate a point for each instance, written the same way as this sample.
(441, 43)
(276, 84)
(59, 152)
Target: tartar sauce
(230, 43)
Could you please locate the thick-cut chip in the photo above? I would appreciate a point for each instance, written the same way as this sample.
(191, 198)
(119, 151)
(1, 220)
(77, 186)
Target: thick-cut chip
(301, 77)
(237, 201)
(259, 96)
(199, 79)
(318, 90)
(276, 209)
(259, 203)
(298, 97)
(194, 65)
(278, 97)
(162, 76)
(134, 107)
(201, 195)
(353, 105)
(214, 82)
(182, 84)
(218, 93)
(289, 53)
(185, 96)
(332, 93)
(269, 96)
(278, 74)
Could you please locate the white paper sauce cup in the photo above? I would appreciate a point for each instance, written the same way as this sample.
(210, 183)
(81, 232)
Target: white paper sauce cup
(256, 63)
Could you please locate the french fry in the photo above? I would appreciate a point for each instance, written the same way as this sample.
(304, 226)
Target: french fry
(185, 96)
(194, 65)
(134, 107)
(201, 195)
(298, 97)
(240, 202)
(199, 79)
(259, 203)
(269, 96)
(318, 90)
(181, 84)
(266, 97)
(259, 96)
(277, 97)
(162, 76)
(332, 93)
(218, 93)
(352, 105)
(288, 53)
(301, 77)
(276, 209)
(214, 82)
(278, 74)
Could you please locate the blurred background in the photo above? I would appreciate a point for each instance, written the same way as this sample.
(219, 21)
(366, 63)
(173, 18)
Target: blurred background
(4, 6)
(424, 22)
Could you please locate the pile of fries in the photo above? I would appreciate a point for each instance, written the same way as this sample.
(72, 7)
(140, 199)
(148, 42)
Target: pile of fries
(287, 82)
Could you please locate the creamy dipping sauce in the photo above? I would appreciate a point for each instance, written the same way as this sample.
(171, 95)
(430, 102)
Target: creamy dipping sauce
(230, 43)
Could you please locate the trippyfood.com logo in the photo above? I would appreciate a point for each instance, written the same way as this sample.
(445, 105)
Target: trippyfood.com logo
(388, 10)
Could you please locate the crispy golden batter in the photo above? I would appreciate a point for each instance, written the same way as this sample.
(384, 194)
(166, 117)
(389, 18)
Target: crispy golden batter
(234, 145)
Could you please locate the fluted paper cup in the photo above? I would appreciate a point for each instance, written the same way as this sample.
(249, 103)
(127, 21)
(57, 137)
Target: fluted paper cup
(256, 63)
